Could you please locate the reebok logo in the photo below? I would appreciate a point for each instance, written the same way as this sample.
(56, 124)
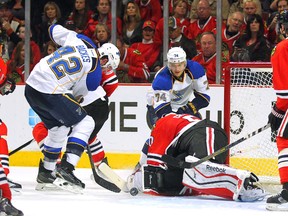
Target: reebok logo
(215, 169)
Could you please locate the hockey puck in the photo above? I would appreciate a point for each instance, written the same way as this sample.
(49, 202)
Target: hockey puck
(134, 191)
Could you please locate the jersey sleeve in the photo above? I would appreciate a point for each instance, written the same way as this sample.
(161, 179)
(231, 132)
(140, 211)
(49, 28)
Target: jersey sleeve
(160, 96)
(61, 35)
(201, 86)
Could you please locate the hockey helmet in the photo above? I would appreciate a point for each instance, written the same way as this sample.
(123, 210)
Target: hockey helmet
(176, 55)
(110, 51)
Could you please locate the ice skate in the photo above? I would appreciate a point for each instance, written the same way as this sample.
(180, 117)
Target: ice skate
(66, 180)
(7, 209)
(45, 179)
(278, 202)
(14, 185)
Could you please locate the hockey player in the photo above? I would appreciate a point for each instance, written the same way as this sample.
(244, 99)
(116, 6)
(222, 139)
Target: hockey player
(54, 89)
(96, 104)
(7, 86)
(174, 85)
(4, 155)
(180, 87)
(278, 116)
(190, 138)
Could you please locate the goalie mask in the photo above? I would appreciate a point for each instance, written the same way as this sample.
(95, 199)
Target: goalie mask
(111, 52)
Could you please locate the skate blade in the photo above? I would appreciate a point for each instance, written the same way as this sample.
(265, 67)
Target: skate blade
(15, 192)
(277, 207)
(46, 187)
(67, 186)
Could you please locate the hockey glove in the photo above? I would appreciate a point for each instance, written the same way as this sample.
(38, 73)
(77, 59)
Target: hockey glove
(275, 118)
(189, 108)
(7, 87)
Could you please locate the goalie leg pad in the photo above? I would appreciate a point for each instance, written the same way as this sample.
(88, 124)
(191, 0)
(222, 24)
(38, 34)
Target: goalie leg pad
(220, 180)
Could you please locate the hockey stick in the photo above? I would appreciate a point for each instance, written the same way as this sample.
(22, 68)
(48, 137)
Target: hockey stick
(20, 147)
(99, 180)
(183, 164)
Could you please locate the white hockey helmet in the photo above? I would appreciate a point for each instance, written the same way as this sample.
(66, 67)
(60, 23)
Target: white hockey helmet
(112, 53)
(176, 55)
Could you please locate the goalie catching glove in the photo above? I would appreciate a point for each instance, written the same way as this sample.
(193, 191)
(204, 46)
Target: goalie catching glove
(189, 108)
(275, 118)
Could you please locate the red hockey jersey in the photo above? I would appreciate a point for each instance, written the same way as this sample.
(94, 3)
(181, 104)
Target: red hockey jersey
(279, 63)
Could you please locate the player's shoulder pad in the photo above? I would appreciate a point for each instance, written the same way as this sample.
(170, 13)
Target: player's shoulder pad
(195, 69)
(88, 42)
(163, 80)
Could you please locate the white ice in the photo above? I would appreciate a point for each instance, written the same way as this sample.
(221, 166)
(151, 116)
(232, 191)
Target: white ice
(98, 201)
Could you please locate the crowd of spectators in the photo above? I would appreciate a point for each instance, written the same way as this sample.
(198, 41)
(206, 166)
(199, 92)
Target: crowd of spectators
(250, 30)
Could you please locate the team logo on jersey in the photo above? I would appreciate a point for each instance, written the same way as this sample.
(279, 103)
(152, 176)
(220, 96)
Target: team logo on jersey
(137, 52)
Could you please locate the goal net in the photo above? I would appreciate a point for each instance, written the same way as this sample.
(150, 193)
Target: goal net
(249, 96)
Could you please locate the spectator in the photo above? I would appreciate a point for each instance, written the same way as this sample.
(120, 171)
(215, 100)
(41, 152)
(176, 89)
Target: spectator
(132, 67)
(180, 11)
(52, 15)
(103, 15)
(205, 22)
(178, 39)
(171, 7)
(132, 24)
(207, 57)
(15, 66)
(18, 9)
(9, 23)
(238, 6)
(273, 21)
(49, 48)
(231, 32)
(253, 41)
(251, 7)
(158, 37)
(6, 15)
(148, 49)
(102, 34)
(20, 36)
(79, 17)
(212, 6)
(150, 10)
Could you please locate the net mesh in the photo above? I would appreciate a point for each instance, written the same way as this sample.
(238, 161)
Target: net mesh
(251, 98)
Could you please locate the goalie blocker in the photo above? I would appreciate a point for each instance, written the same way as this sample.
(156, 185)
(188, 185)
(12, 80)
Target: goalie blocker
(191, 136)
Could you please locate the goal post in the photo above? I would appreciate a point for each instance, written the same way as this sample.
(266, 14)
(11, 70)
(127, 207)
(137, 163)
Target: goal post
(248, 98)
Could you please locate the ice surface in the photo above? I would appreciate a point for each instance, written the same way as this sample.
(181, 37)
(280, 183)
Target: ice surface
(98, 201)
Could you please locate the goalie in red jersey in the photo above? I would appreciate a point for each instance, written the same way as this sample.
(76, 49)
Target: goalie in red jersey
(278, 116)
(188, 138)
(6, 86)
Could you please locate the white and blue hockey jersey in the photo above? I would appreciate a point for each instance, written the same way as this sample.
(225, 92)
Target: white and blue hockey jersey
(74, 67)
(169, 94)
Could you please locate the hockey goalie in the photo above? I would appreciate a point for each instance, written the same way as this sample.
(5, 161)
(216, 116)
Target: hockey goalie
(188, 138)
